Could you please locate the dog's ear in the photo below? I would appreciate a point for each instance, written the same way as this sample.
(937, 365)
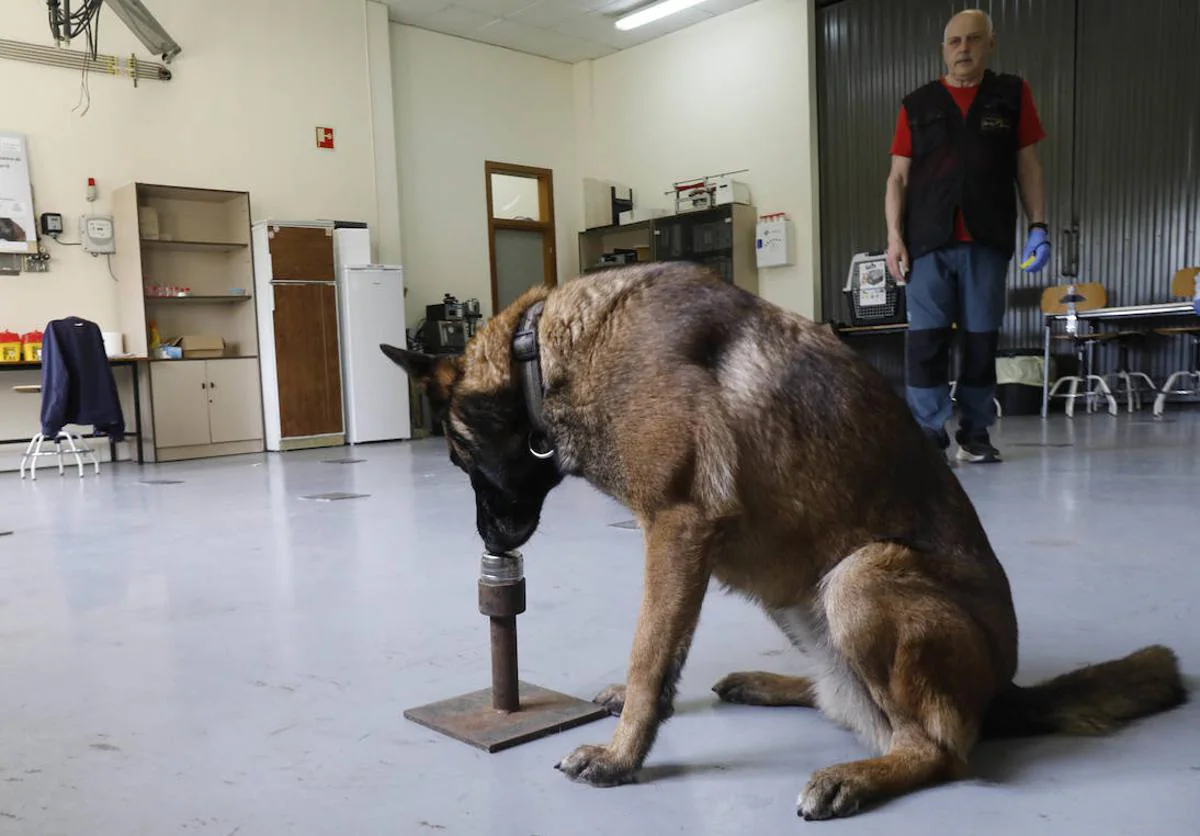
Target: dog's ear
(435, 376)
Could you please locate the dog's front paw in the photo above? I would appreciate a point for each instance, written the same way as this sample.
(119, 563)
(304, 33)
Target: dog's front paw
(597, 766)
(831, 793)
(612, 698)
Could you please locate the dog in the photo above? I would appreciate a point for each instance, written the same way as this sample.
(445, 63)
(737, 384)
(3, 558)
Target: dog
(755, 448)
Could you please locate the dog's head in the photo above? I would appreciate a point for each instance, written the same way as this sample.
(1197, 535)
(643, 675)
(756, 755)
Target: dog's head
(487, 434)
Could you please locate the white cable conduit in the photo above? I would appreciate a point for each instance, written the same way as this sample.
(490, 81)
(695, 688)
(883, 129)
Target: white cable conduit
(50, 56)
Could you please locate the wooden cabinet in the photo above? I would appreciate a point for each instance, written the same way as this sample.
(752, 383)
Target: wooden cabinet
(234, 400)
(295, 269)
(184, 268)
(201, 403)
(180, 403)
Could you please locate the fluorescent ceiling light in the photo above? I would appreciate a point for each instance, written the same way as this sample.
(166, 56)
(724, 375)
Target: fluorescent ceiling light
(655, 12)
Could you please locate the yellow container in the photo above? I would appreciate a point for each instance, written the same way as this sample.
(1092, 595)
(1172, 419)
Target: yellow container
(10, 347)
(31, 346)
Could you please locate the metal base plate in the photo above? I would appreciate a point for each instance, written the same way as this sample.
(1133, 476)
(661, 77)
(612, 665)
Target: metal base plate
(471, 719)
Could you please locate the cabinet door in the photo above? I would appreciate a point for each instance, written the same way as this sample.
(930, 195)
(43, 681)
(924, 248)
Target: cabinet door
(234, 400)
(301, 253)
(306, 360)
(180, 403)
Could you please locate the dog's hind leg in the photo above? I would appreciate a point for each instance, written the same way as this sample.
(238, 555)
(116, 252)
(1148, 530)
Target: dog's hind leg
(676, 578)
(762, 688)
(923, 662)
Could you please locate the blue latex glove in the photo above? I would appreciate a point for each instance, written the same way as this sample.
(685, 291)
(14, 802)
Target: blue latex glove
(1037, 251)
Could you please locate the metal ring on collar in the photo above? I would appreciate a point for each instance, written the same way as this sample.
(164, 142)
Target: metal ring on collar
(536, 454)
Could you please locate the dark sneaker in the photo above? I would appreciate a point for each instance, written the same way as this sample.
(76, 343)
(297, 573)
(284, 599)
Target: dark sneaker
(977, 451)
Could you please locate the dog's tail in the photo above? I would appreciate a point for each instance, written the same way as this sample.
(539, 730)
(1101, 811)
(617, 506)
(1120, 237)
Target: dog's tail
(1091, 700)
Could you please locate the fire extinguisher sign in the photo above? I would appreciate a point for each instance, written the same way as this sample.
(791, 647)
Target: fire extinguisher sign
(325, 137)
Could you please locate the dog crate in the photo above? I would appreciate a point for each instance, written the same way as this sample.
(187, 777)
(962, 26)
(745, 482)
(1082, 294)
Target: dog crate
(872, 295)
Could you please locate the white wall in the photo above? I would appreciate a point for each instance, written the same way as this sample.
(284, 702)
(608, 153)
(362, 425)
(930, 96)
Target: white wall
(732, 92)
(240, 113)
(459, 103)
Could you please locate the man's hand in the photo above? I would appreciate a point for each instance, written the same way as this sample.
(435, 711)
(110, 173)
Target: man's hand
(1037, 251)
(897, 185)
(897, 259)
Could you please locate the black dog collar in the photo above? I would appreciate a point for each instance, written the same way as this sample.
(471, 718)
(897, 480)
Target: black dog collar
(525, 352)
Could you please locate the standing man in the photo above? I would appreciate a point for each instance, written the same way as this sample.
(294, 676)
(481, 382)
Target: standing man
(963, 144)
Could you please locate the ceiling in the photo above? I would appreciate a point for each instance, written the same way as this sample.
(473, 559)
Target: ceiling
(564, 30)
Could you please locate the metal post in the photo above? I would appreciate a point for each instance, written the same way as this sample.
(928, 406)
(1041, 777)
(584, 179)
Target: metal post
(502, 599)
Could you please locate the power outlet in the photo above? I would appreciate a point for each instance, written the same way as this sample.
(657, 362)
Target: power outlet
(96, 234)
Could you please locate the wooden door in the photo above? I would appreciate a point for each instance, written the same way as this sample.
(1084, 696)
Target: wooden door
(180, 403)
(234, 400)
(301, 253)
(521, 232)
(306, 360)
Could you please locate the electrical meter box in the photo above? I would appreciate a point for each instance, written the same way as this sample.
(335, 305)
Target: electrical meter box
(96, 234)
(773, 242)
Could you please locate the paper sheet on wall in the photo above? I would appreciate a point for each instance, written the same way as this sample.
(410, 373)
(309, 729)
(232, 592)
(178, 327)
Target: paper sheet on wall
(18, 233)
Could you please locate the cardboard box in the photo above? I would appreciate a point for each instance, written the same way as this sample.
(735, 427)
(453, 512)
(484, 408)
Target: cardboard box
(202, 346)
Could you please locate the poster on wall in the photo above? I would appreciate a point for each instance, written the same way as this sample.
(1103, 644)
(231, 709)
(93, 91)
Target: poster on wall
(17, 231)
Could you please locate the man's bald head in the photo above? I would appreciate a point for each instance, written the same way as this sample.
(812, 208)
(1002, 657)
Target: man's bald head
(971, 16)
(967, 45)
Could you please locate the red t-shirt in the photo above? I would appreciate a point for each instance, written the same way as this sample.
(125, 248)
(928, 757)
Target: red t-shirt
(1029, 131)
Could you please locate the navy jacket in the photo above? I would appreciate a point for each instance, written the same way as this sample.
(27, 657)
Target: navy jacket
(77, 382)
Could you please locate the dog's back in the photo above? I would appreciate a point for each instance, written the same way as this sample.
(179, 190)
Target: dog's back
(795, 439)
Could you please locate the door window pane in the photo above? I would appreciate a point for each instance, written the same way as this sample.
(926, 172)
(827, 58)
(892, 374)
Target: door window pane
(515, 198)
(520, 263)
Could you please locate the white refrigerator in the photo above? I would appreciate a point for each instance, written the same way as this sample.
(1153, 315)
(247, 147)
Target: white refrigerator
(370, 312)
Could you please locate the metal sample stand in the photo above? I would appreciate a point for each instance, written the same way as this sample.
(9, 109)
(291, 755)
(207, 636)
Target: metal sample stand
(510, 712)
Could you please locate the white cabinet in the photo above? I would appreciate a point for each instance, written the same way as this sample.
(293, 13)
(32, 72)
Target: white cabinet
(180, 403)
(203, 402)
(234, 400)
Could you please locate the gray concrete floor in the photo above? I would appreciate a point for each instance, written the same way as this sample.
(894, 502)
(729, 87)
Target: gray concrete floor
(222, 656)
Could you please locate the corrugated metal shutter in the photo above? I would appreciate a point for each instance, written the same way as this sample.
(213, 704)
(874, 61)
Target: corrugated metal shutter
(1138, 182)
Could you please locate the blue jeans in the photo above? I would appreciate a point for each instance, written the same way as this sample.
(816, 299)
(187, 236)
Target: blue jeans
(963, 284)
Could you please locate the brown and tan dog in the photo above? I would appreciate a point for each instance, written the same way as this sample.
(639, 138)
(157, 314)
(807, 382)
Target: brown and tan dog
(755, 448)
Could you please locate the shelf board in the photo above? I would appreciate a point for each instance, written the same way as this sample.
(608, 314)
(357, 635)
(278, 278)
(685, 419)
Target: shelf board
(193, 246)
(636, 226)
(164, 192)
(226, 298)
(202, 359)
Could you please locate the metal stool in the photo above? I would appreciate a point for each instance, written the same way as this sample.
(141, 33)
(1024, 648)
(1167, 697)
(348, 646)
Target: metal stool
(1131, 384)
(1071, 299)
(1183, 285)
(34, 450)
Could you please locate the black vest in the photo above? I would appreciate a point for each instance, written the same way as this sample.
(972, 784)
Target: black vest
(969, 163)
